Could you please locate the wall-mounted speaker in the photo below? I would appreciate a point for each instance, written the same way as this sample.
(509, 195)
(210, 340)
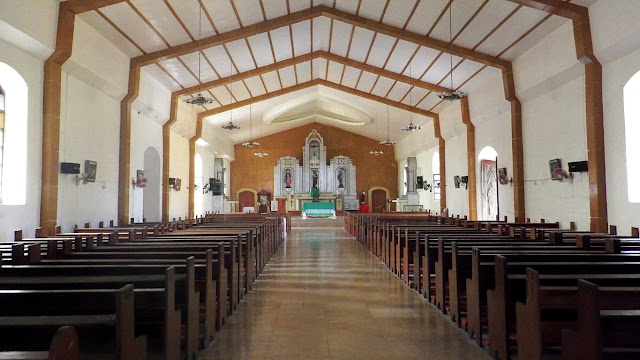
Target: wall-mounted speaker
(69, 168)
(419, 182)
(216, 189)
(172, 181)
(578, 166)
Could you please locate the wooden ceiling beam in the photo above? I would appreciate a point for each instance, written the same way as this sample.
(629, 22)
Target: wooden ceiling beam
(312, 83)
(81, 6)
(555, 7)
(319, 54)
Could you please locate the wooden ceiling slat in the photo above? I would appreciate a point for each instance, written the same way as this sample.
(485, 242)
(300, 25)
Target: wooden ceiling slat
(247, 87)
(353, 28)
(208, 16)
(413, 11)
(358, 81)
(253, 56)
(439, 18)
(384, 66)
(189, 71)
(326, 70)
(475, 14)
(390, 88)
(175, 15)
(120, 31)
(497, 27)
(525, 34)
(384, 11)
(264, 13)
(235, 11)
(279, 78)
(169, 75)
(81, 6)
(407, 93)
(293, 46)
(415, 52)
(231, 93)
(149, 24)
(374, 84)
(288, 8)
(358, 8)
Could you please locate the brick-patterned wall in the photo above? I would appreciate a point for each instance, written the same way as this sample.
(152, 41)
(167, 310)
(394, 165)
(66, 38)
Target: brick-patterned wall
(249, 171)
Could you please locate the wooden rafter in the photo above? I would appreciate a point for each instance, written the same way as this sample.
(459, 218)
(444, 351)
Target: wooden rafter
(81, 6)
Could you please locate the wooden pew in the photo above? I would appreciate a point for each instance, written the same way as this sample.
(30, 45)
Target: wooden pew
(63, 346)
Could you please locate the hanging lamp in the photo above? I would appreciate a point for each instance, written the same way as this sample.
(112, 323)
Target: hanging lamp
(452, 95)
(250, 143)
(387, 141)
(199, 99)
(411, 127)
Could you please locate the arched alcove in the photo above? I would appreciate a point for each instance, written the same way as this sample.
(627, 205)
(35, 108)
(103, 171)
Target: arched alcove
(488, 184)
(198, 195)
(632, 132)
(13, 177)
(151, 193)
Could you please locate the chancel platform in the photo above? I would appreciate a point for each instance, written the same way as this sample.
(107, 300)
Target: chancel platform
(318, 209)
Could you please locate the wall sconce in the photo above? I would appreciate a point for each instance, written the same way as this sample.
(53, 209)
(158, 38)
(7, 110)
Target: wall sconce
(503, 179)
(427, 186)
(175, 183)
(465, 181)
(140, 181)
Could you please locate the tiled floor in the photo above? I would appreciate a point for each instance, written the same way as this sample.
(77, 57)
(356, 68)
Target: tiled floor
(323, 296)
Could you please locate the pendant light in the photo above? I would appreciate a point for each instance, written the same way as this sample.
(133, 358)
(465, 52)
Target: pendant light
(411, 127)
(231, 125)
(250, 143)
(452, 95)
(261, 154)
(387, 141)
(199, 100)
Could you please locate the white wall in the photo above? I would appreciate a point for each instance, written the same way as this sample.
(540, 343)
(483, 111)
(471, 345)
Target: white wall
(17, 20)
(145, 133)
(179, 168)
(208, 158)
(89, 130)
(26, 217)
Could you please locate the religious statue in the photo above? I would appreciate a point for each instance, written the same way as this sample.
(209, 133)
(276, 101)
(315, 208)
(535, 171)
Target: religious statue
(363, 197)
(315, 179)
(287, 180)
(340, 179)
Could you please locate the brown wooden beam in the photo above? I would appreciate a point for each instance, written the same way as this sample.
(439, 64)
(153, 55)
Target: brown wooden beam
(166, 155)
(192, 172)
(517, 151)
(579, 15)
(81, 6)
(51, 119)
(471, 158)
(124, 168)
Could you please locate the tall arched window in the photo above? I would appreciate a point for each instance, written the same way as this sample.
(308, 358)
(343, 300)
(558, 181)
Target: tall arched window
(435, 170)
(13, 175)
(632, 132)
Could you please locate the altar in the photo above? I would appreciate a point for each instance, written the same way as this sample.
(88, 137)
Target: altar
(318, 209)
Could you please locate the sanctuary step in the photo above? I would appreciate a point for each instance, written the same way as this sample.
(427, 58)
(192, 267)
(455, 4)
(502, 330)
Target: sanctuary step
(298, 222)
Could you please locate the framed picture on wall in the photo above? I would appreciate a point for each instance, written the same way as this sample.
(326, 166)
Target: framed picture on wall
(90, 168)
(456, 181)
(553, 165)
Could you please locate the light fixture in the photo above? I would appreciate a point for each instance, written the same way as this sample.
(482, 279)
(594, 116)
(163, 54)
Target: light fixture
(376, 152)
(250, 143)
(199, 100)
(452, 95)
(230, 126)
(412, 127)
(387, 141)
(260, 154)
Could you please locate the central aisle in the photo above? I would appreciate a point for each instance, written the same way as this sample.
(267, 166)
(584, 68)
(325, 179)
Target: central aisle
(324, 296)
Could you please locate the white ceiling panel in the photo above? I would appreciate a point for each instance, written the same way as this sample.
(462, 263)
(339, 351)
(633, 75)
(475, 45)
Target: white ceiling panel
(546, 28)
(366, 81)
(321, 33)
(398, 12)
(222, 95)
(351, 75)
(302, 37)
(319, 68)
(362, 39)
(380, 50)
(462, 73)
(272, 81)
(429, 102)
(335, 72)
(275, 8)
(179, 72)
(462, 11)
(220, 60)
(239, 90)
(261, 49)
(282, 43)
(491, 15)
(401, 56)
(510, 31)
(206, 72)
(414, 96)
(382, 86)
(304, 71)
(372, 9)
(426, 15)
(249, 11)
(440, 69)
(103, 27)
(349, 6)
(241, 55)
(288, 76)
(163, 20)
(222, 15)
(398, 91)
(157, 73)
(340, 38)
(298, 5)
(125, 18)
(190, 16)
(255, 85)
(421, 61)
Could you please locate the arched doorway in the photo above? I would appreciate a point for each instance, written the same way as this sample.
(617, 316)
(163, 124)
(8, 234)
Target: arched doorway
(489, 205)
(246, 197)
(378, 196)
(151, 192)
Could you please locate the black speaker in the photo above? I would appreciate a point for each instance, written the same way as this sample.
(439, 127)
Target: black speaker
(578, 166)
(172, 181)
(69, 168)
(419, 182)
(216, 189)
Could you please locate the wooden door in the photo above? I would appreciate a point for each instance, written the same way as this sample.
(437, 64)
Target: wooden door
(378, 201)
(246, 199)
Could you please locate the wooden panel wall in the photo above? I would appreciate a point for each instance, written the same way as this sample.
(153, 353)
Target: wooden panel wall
(249, 171)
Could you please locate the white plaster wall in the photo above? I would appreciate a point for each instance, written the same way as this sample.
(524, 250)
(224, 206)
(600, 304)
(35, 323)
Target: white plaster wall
(616, 74)
(456, 162)
(89, 130)
(218, 142)
(554, 124)
(145, 133)
(179, 168)
(208, 158)
(17, 20)
(154, 100)
(424, 160)
(26, 217)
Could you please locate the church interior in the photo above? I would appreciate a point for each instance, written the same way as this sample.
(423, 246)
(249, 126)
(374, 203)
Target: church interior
(331, 179)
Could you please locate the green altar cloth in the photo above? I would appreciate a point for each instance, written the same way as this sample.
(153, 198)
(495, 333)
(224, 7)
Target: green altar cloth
(318, 209)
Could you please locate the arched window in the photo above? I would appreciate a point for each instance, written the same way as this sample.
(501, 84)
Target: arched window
(435, 170)
(13, 168)
(632, 132)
